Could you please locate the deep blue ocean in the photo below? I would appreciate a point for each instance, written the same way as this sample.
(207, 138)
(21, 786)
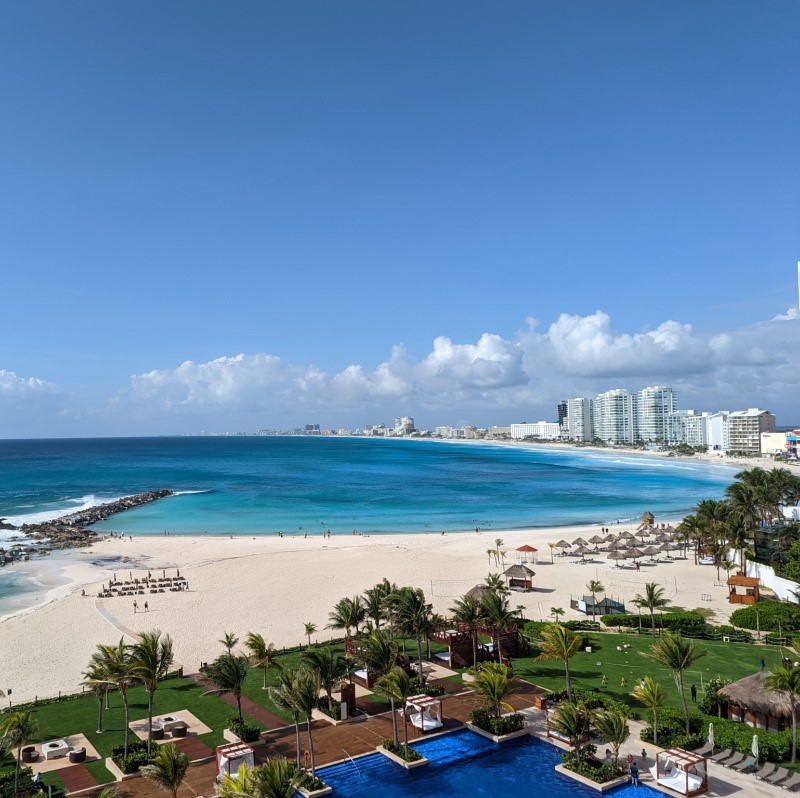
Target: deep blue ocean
(260, 485)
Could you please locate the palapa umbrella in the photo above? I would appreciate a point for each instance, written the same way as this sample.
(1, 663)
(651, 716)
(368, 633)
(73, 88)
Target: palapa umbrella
(583, 551)
(711, 735)
(563, 545)
(633, 553)
(619, 545)
(627, 534)
(597, 540)
(579, 542)
(666, 547)
(754, 747)
(651, 552)
(616, 555)
(610, 537)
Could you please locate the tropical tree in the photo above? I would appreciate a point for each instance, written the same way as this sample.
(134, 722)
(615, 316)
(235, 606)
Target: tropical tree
(651, 694)
(118, 665)
(305, 691)
(152, 657)
(262, 654)
(96, 678)
(284, 696)
(678, 654)
(497, 584)
(276, 778)
(168, 768)
(555, 612)
(228, 673)
(229, 640)
(612, 726)
(572, 722)
(712, 517)
(786, 680)
(18, 728)
(652, 600)
(410, 615)
(560, 643)
(310, 629)
(380, 654)
(499, 616)
(552, 547)
(494, 687)
(347, 614)
(595, 586)
(397, 685)
(329, 666)
(468, 610)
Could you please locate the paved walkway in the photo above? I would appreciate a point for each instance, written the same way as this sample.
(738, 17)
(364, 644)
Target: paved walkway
(258, 713)
(76, 777)
(112, 619)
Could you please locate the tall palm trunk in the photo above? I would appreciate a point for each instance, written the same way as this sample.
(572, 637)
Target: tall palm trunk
(474, 647)
(297, 739)
(16, 771)
(566, 680)
(794, 732)
(679, 676)
(499, 649)
(310, 745)
(653, 619)
(394, 721)
(265, 679)
(655, 727)
(150, 695)
(419, 658)
(99, 714)
(124, 692)
(239, 706)
(405, 729)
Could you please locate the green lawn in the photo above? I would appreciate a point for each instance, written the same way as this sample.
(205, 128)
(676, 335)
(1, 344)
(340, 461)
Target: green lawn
(727, 660)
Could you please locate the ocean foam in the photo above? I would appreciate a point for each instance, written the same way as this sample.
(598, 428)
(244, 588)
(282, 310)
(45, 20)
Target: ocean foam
(69, 506)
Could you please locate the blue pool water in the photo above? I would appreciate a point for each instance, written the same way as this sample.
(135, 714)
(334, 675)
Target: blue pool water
(463, 763)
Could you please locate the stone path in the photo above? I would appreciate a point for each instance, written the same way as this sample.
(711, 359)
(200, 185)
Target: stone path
(76, 777)
(112, 619)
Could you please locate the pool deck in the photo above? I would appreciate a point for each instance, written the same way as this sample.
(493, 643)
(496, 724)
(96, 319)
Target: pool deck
(363, 735)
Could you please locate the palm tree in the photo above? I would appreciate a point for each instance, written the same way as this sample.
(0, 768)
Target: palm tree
(305, 688)
(228, 673)
(18, 728)
(152, 657)
(555, 612)
(595, 586)
(652, 600)
(229, 640)
(469, 611)
(329, 667)
(651, 694)
(571, 721)
(374, 599)
(493, 686)
(284, 696)
(380, 657)
(397, 685)
(786, 680)
(552, 551)
(560, 643)
(310, 629)
(347, 614)
(262, 654)
(276, 778)
(96, 678)
(168, 768)
(499, 616)
(410, 615)
(117, 663)
(496, 584)
(612, 726)
(678, 654)
(492, 553)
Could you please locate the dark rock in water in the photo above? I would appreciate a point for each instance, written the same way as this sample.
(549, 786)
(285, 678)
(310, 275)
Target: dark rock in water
(69, 531)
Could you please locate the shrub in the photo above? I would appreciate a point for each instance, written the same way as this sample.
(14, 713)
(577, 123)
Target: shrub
(137, 756)
(26, 785)
(247, 734)
(594, 700)
(689, 621)
(406, 754)
(433, 690)
(768, 616)
(335, 712)
(711, 703)
(671, 726)
(737, 635)
(483, 719)
(772, 746)
(591, 767)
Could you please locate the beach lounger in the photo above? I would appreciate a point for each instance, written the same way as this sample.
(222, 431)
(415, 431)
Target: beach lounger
(734, 760)
(793, 782)
(705, 750)
(778, 776)
(765, 771)
(748, 764)
(721, 755)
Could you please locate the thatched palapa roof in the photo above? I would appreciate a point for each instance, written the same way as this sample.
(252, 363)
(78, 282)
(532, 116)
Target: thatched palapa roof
(479, 592)
(518, 572)
(750, 693)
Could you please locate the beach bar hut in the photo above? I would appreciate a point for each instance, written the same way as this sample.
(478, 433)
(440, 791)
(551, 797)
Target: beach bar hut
(751, 703)
(684, 772)
(231, 757)
(743, 589)
(519, 577)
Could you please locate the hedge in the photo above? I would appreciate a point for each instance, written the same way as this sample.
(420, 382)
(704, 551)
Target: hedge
(674, 621)
(768, 616)
(506, 724)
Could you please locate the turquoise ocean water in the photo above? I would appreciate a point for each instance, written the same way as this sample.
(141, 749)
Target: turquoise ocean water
(260, 485)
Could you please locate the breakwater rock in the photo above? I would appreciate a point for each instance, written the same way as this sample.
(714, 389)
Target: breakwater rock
(69, 531)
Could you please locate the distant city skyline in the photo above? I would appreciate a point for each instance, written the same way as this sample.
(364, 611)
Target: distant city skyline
(268, 215)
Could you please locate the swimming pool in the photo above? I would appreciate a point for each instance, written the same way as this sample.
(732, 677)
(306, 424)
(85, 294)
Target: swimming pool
(466, 764)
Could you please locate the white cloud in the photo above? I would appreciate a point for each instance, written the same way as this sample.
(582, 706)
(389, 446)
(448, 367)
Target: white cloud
(13, 386)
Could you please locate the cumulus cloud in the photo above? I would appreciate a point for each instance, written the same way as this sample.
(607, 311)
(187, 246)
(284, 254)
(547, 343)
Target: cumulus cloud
(12, 385)
(519, 377)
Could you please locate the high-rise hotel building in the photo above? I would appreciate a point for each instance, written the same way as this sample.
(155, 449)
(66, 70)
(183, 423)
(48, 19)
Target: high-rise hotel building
(653, 407)
(614, 417)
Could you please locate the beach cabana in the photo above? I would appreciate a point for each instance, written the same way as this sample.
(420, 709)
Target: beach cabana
(682, 771)
(525, 551)
(423, 712)
(743, 589)
(231, 757)
(751, 703)
(648, 519)
(519, 577)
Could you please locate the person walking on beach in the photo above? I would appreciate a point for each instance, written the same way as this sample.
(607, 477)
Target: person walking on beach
(135, 606)
(146, 608)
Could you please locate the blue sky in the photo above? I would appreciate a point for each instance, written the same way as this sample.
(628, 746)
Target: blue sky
(242, 215)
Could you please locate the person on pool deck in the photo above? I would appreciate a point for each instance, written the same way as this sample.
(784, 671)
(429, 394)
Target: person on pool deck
(634, 774)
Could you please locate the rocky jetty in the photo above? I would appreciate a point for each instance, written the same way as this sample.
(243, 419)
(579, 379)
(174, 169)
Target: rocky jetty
(70, 531)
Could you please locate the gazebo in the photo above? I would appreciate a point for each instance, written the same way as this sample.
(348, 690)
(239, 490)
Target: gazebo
(519, 577)
(750, 702)
(743, 589)
(525, 550)
(682, 771)
(231, 757)
(423, 712)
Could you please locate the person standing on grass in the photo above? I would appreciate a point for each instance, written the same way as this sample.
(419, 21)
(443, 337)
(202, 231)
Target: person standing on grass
(694, 694)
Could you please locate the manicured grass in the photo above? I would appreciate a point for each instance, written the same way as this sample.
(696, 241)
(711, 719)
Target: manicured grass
(726, 660)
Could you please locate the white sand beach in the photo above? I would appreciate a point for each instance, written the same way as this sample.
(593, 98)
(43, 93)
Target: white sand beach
(274, 585)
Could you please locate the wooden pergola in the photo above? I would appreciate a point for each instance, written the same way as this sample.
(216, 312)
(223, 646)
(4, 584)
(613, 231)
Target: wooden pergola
(743, 589)
(682, 771)
(423, 712)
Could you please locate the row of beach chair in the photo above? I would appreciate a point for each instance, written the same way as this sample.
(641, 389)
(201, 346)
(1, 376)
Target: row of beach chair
(736, 760)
